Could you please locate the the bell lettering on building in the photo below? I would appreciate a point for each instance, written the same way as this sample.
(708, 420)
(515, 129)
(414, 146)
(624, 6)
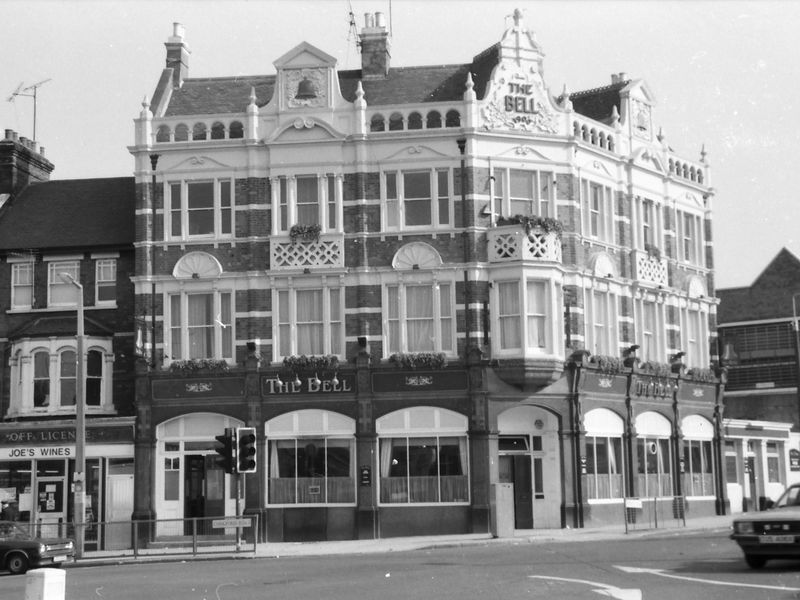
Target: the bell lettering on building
(520, 99)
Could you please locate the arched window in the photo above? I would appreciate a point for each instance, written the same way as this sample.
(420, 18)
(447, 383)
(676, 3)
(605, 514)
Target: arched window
(181, 133)
(415, 121)
(236, 130)
(698, 465)
(576, 129)
(66, 377)
(41, 378)
(699, 176)
(452, 119)
(377, 123)
(585, 133)
(604, 455)
(94, 378)
(611, 143)
(218, 131)
(199, 131)
(653, 455)
(434, 120)
(593, 135)
(396, 122)
(162, 135)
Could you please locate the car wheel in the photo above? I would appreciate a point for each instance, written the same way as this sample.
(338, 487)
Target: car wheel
(755, 562)
(17, 564)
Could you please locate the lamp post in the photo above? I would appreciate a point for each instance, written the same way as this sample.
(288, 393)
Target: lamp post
(79, 478)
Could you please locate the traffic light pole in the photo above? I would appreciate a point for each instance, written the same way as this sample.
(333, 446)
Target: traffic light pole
(238, 510)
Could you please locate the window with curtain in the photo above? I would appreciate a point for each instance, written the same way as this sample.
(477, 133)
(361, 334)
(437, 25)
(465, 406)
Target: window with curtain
(698, 468)
(60, 292)
(21, 285)
(598, 211)
(518, 331)
(650, 322)
(424, 469)
(420, 318)
(94, 378)
(201, 326)
(604, 467)
(417, 198)
(524, 192)
(309, 321)
(41, 379)
(311, 470)
(199, 208)
(306, 200)
(67, 370)
(654, 472)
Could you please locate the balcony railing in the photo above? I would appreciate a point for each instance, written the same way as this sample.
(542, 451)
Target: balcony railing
(327, 251)
(649, 268)
(511, 243)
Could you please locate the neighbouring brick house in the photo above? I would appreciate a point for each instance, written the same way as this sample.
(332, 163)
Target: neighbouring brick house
(758, 335)
(417, 284)
(51, 231)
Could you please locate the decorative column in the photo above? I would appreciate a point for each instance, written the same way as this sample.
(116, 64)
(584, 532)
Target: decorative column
(367, 464)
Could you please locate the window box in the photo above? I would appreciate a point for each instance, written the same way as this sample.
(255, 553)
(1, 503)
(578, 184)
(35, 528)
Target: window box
(418, 360)
(307, 233)
(202, 365)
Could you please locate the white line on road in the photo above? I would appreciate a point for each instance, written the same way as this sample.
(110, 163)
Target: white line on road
(663, 573)
(605, 589)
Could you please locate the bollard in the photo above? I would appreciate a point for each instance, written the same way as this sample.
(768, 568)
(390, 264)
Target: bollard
(45, 584)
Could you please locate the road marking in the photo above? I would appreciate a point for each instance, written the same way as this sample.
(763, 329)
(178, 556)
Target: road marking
(604, 589)
(664, 573)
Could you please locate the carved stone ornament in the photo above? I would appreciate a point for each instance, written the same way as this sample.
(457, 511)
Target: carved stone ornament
(518, 100)
(306, 88)
(641, 119)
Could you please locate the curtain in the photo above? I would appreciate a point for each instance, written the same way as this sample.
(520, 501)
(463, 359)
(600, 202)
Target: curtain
(509, 313)
(536, 310)
(309, 321)
(419, 318)
(201, 326)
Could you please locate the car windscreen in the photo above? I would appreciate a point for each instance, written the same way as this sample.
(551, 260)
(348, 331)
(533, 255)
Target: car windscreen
(12, 531)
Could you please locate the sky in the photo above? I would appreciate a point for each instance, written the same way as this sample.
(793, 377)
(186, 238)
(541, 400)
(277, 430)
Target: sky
(724, 75)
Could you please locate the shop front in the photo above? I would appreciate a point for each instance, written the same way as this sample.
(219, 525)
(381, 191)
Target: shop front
(37, 464)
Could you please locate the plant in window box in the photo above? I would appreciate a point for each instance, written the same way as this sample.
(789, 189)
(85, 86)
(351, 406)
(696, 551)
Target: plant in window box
(198, 365)
(652, 251)
(418, 360)
(656, 369)
(700, 375)
(533, 223)
(610, 365)
(307, 233)
(302, 363)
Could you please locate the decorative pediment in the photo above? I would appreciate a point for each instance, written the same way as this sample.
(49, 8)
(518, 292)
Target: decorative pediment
(696, 287)
(416, 255)
(198, 162)
(519, 100)
(304, 55)
(414, 151)
(602, 265)
(305, 78)
(306, 129)
(197, 265)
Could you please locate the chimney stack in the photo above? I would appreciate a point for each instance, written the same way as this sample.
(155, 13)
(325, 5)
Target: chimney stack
(21, 163)
(177, 55)
(374, 47)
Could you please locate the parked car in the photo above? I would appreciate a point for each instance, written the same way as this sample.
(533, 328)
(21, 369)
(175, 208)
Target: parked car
(20, 551)
(772, 533)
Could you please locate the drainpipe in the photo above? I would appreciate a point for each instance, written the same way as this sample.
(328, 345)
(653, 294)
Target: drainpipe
(462, 144)
(153, 163)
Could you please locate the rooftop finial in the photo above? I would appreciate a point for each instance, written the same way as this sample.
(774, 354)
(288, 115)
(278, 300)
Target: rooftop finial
(517, 17)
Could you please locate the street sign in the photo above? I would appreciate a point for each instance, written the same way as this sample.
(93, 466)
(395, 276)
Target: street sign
(231, 522)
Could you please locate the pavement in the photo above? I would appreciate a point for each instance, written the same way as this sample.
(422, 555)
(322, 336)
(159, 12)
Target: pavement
(404, 544)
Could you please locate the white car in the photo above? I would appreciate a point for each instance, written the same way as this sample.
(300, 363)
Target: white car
(772, 533)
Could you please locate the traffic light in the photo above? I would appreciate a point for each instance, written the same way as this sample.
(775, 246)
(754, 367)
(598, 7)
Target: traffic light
(246, 449)
(226, 448)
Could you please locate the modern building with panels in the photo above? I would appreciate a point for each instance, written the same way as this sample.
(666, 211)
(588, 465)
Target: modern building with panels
(445, 296)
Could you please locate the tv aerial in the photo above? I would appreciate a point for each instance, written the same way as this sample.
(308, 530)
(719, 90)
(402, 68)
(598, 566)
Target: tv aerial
(29, 92)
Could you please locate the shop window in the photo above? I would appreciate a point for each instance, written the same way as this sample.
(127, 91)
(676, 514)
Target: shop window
(172, 478)
(417, 199)
(731, 463)
(653, 455)
(604, 457)
(773, 463)
(311, 458)
(698, 468)
(423, 457)
(309, 321)
(199, 209)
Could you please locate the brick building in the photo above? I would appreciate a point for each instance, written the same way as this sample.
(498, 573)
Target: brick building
(51, 231)
(758, 333)
(419, 283)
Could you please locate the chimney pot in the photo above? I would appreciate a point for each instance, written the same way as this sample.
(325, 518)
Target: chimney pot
(369, 20)
(380, 21)
(9, 134)
(41, 151)
(178, 30)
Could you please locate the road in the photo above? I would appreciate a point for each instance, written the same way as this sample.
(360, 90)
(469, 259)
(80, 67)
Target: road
(684, 566)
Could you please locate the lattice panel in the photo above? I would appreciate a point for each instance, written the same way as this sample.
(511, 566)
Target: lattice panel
(649, 268)
(516, 245)
(543, 246)
(324, 253)
(505, 247)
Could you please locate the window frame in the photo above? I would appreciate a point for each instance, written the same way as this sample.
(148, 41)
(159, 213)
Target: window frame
(286, 297)
(396, 207)
(178, 214)
(688, 473)
(524, 316)
(396, 316)
(598, 210)
(54, 268)
(223, 334)
(16, 269)
(542, 204)
(285, 205)
(105, 283)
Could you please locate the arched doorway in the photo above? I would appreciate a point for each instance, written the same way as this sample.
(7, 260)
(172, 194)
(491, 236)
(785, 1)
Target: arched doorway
(528, 455)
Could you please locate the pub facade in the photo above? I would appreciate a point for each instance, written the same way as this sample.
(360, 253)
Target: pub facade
(419, 284)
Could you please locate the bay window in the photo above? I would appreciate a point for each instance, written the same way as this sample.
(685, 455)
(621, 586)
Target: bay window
(420, 318)
(306, 200)
(524, 192)
(22, 285)
(414, 199)
(201, 326)
(423, 457)
(309, 321)
(522, 315)
(195, 209)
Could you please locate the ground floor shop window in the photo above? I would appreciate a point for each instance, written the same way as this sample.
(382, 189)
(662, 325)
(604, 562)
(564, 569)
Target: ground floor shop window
(604, 456)
(429, 462)
(311, 458)
(698, 474)
(653, 455)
